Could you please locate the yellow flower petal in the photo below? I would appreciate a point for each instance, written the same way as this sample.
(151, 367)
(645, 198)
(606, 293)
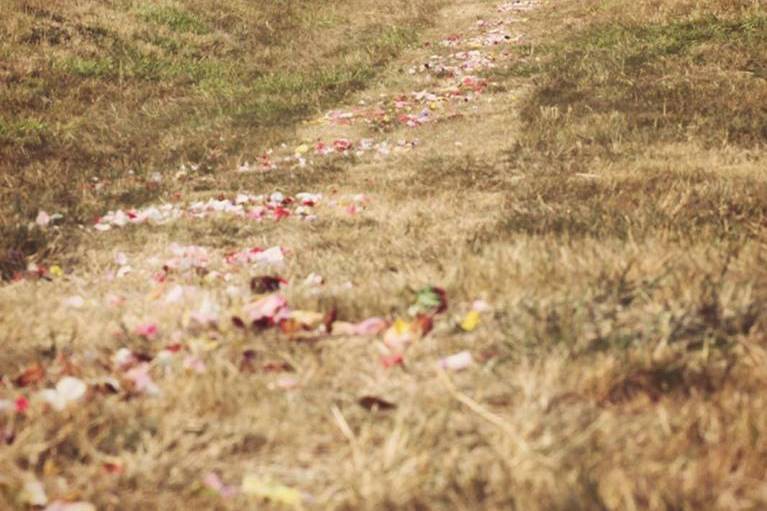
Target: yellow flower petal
(277, 493)
(470, 322)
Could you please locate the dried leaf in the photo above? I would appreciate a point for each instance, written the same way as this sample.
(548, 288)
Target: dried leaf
(238, 322)
(329, 319)
(31, 375)
(375, 403)
(263, 284)
(422, 325)
(247, 361)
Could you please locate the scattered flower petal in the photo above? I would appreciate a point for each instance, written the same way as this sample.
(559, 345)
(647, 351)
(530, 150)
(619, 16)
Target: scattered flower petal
(253, 485)
(470, 321)
(43, 219)
(457, 362)
(148, 331)
(21, 404)
(68, 390)
(33, 493)
(60, 505)
(214, 482)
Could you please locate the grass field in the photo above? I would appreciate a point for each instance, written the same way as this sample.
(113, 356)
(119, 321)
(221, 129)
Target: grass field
(99, 98)
(549, 294)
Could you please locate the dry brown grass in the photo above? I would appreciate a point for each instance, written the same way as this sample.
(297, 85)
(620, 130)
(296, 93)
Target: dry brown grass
(97, 97)
(617, 232)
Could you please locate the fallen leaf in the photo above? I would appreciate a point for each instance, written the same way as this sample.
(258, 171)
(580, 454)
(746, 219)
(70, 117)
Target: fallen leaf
(276, 366)
(329, 318)
(266, 284)
(31, 375)
(247, 361)
(291, 326)
(422, 325)
(113, 466)
(238, 322)
(430, 299)
(8, 435)
(375, 403)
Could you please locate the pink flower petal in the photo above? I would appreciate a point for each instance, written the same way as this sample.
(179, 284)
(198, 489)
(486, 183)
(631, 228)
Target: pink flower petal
(43, 219)
(371, 326)
(457, 362)
(148, 331)
(214, 482)
(141, 379)
(194, 363)
(268, 308)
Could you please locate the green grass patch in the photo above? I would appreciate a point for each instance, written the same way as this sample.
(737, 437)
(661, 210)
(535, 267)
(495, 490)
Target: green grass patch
(699, 77)
(23, 132)
(177, 20)
(88, 68)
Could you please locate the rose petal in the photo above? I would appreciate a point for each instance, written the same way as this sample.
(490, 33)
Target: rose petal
(457, 362)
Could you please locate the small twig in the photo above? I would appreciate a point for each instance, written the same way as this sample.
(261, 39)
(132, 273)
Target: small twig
(486, 414)
(346, 430)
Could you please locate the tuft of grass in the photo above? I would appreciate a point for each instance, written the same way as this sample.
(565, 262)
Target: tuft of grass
(664, 204)
(175, 18)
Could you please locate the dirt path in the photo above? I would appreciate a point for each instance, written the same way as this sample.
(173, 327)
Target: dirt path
(282, 343)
